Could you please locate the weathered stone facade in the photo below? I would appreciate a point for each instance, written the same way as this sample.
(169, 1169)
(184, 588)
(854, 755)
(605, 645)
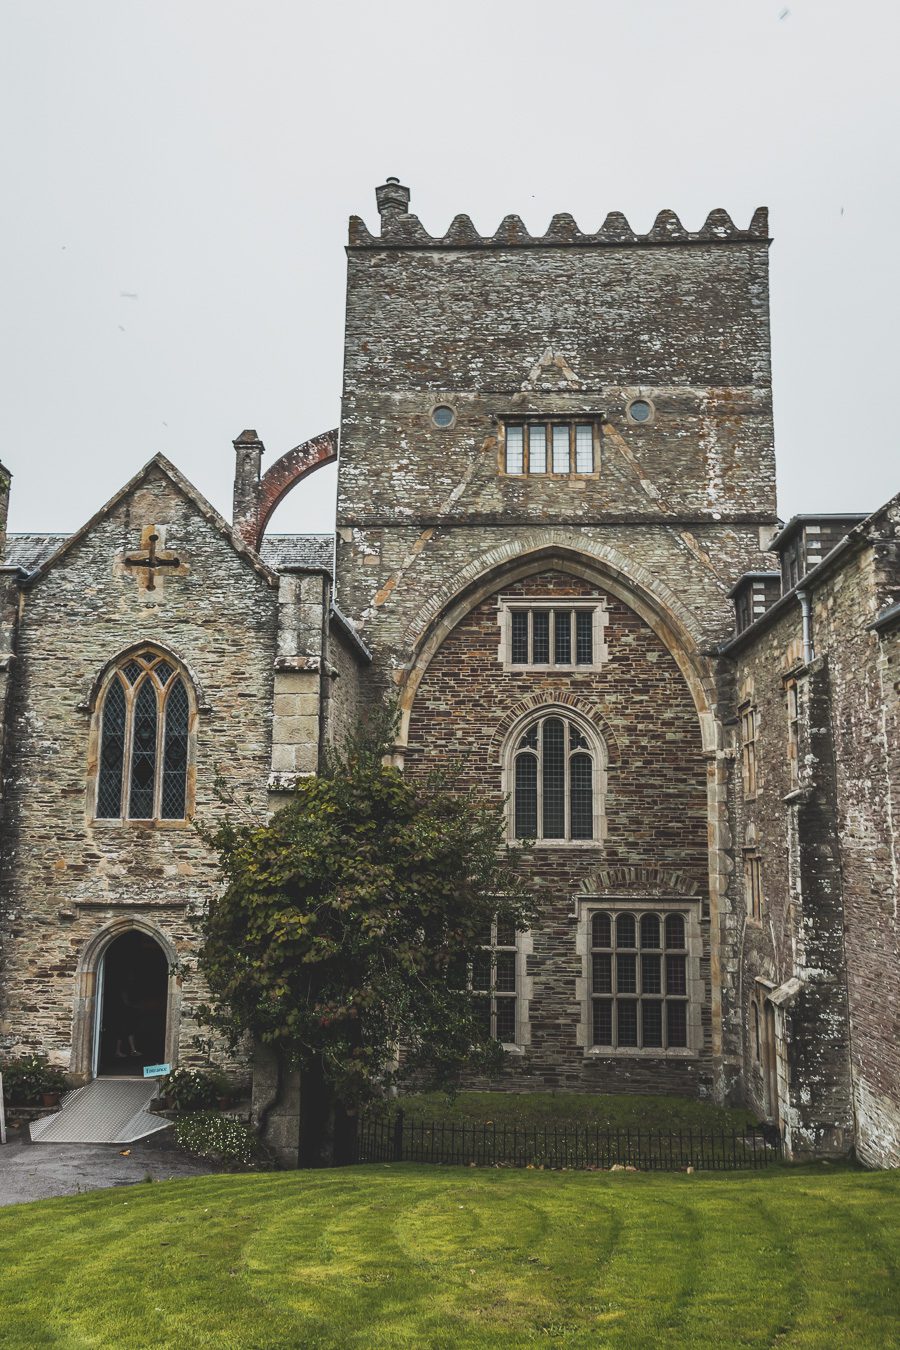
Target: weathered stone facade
(743, 787)
(822, 955)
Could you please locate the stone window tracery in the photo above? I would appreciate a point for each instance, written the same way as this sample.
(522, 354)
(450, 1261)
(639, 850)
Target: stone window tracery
(555, 774)
(144, 741)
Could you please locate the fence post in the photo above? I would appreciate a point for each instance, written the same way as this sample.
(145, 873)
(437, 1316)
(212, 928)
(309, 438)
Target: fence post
(398, 1136)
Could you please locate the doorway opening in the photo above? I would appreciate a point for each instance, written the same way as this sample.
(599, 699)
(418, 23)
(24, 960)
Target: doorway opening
(130, 1028)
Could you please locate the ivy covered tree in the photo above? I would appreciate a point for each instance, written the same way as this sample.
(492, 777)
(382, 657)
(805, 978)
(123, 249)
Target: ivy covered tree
(346, 929)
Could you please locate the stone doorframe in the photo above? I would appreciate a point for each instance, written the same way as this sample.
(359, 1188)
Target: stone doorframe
(85, 1010)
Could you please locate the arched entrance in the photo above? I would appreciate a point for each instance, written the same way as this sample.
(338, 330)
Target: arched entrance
(131, 1006)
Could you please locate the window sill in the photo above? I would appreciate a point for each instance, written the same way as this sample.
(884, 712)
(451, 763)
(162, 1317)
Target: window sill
(103, 823)
(635, 1052)
(556, 843)
(797, 794)
(512, 1049)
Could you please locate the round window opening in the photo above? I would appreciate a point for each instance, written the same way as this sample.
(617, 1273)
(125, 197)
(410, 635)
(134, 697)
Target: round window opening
(443, 416)
(640, 410)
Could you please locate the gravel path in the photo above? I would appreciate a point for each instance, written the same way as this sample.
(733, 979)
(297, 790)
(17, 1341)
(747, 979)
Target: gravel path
(39, 1171)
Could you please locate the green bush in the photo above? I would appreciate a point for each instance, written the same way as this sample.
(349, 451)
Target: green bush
(26, 1079)
(222, 1138)
(195, 1089)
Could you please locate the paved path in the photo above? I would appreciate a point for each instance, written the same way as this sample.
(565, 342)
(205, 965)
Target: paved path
(38, 1171)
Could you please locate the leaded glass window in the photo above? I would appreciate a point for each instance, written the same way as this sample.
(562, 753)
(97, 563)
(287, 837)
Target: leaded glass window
(554, 781)
(495, 981)
(145, 717)
(639, 980)
(552, 448)
(540, 634)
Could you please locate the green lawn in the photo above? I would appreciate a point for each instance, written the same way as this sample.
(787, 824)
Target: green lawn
(416, 1256)
(594, 1110)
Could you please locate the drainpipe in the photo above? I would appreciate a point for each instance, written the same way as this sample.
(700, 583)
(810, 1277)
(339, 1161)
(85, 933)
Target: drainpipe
(806, 612)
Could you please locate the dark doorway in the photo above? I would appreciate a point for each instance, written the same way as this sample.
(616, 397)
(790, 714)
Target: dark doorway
(133, 1005)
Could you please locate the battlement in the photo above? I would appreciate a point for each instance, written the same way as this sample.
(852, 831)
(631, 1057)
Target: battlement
(400, 229)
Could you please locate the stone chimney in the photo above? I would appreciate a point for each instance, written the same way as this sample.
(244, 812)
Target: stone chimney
(393, 200)
(5, 481)
(248, 453)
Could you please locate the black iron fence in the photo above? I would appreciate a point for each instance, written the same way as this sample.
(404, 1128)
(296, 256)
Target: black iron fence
(395, 1138)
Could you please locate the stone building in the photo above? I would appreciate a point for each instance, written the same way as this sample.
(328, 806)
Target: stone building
(557, 545)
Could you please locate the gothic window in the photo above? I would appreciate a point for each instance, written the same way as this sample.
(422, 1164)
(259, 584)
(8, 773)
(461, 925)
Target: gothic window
(495, 981)
(551, 449)
(144, 729)
(553, 633)
(555, 772)
(639, 980)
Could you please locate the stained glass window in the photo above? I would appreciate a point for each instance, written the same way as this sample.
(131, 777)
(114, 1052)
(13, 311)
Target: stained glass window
(639, 996)
(144, 742)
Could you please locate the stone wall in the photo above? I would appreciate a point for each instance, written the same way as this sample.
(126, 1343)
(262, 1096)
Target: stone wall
(655, 814)
(65, 875)
(826, 947)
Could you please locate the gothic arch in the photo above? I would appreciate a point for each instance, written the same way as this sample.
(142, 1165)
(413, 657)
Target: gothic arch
(597, 563)
(86, 989)
(88, 703)
(565, 702)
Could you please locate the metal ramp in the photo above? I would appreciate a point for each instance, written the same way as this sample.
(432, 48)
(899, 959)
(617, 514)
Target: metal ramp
(107, 1111)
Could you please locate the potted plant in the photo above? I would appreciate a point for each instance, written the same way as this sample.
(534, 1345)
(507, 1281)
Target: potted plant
(32, 1081)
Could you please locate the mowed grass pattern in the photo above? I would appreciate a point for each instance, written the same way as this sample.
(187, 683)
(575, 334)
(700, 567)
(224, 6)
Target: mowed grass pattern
(416, 1256)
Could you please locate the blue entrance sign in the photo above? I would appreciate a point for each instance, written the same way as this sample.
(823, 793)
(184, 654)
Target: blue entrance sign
(157, 1070)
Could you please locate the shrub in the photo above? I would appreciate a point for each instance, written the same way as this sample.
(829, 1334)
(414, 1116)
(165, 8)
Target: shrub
(207, 1134)
(26, 1079)
(194, 1089)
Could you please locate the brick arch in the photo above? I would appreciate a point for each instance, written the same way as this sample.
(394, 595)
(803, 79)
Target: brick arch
(278, 480)
(560, 699)
(633, 584)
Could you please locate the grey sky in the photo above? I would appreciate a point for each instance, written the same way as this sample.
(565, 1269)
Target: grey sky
(178, 175)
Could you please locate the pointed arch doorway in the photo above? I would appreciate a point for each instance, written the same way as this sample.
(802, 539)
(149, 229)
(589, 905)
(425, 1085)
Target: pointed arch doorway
(130, 1006)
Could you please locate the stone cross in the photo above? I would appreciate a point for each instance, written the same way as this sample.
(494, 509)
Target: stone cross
(150, 559)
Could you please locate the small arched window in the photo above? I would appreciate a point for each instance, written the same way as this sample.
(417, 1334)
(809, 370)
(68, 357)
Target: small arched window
(145, 729)
(555, 773)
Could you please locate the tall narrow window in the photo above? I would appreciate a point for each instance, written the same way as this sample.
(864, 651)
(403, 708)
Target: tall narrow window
(793, 715)
(145, 718)
(747, 715)
(554, 782)
(515, 450)
(495, 981)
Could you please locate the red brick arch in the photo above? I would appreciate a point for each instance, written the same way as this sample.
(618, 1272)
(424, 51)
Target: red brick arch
(274, 485)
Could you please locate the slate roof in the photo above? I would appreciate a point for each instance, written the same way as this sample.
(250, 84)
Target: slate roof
(298, 550)
(30, 551)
